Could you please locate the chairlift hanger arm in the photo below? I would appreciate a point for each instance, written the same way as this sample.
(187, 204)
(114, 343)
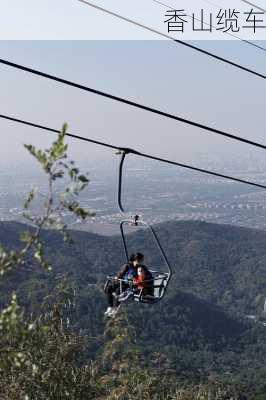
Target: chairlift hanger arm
(156, 239)
(123, 151)
(121, 164)
(135, 220)
(161, 249)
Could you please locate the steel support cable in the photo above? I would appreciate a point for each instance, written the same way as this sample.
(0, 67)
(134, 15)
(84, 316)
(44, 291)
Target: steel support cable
(131, 103)
(260, 75)
(205, 23)
(244, 1)
(132, 151)
(254, 5)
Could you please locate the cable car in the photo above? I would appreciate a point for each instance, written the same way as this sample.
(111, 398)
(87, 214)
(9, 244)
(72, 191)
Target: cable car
(160, 279)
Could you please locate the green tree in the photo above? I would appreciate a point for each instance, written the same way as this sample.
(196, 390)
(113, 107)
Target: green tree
(39, 358)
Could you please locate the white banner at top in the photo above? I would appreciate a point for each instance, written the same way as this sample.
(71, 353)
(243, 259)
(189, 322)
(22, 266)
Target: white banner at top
(133, 20)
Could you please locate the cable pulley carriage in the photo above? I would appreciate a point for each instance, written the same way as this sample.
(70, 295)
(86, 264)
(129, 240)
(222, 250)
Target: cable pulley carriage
(160, 279)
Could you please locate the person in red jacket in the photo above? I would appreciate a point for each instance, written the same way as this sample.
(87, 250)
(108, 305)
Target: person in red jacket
(132, 272)
(144, 279)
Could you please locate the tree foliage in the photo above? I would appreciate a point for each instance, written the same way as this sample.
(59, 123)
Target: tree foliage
(54, 342)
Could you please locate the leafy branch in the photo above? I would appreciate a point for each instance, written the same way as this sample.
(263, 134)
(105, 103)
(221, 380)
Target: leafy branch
(55, 164)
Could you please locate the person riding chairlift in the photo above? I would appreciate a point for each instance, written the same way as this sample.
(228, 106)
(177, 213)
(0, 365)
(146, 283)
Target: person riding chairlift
(144, 281)
(127, 273)
(131, 272)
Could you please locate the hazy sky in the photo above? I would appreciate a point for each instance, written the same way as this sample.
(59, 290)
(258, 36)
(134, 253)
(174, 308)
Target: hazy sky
(156, 73)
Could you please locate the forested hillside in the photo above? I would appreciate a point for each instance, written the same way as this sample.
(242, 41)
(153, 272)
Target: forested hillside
(222, 264)
(199, 330)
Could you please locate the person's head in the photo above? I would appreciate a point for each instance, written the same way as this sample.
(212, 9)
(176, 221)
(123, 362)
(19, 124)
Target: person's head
(132, 258)
(139, 258)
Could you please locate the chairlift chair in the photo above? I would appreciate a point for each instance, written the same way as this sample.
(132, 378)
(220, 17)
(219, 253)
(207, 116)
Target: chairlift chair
(160, 279)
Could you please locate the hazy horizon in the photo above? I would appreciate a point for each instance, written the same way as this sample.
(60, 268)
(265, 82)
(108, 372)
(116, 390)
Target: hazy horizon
(159, 74)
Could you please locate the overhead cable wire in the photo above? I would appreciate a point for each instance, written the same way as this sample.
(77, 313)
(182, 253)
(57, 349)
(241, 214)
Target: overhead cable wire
(254, 5)
(132, 103)
(191, 46)
(46, 128)
(247, 2)
(206, 23)
(132, 151)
